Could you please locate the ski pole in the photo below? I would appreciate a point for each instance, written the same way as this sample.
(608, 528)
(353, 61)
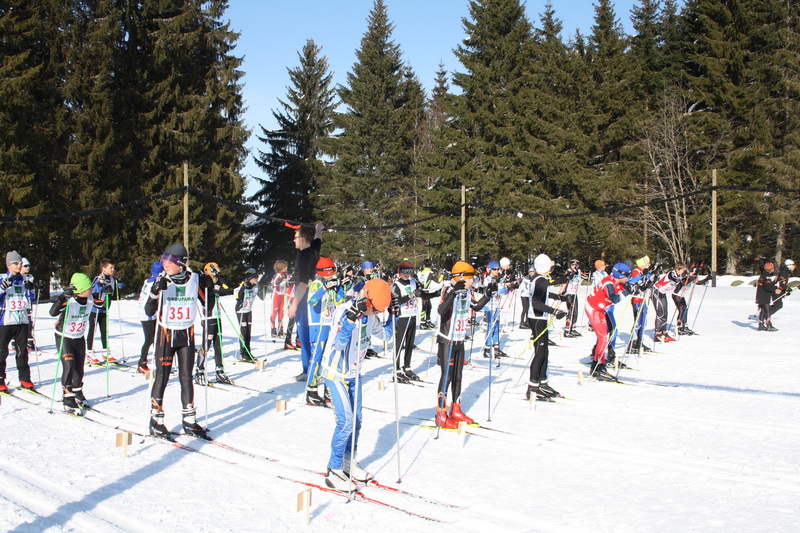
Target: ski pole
(533, 342)
(119, 320)
(705, 289)
(58, 360)
(446, 363)
(33, 337)
(238, 334)
(396, 402)
(354, 432)
(107, 348)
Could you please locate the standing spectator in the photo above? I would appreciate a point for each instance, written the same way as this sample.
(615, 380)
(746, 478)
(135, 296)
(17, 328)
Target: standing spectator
(308, 242)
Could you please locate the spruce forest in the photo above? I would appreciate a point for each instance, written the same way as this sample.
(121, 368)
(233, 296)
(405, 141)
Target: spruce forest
(581, 146)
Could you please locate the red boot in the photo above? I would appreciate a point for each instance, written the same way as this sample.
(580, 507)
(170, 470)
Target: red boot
(457, 415)
(443, 421)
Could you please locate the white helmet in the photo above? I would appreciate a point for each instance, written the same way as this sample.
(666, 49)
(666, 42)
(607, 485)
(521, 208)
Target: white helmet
(542, 264)
(789, 263)
(504, 262)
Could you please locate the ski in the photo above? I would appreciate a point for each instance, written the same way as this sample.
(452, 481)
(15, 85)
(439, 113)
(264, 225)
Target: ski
(223, 386)
(361, 497)
(10, 394)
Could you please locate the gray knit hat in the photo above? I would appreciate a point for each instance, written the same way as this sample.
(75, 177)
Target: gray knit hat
(13, 257)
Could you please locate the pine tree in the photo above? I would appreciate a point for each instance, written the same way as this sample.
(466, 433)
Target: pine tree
(293, 164)
(192, 113)
(494, 144)
(371, 181)
(32, 130)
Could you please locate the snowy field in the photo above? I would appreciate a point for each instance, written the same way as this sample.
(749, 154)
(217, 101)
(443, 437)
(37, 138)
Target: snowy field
(702, 436)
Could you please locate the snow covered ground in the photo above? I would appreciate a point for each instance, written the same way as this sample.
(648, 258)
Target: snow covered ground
(702, 436)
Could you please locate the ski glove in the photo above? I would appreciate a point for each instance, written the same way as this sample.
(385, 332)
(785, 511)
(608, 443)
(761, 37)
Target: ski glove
(107, 288)
(417, 292)
(357, 309)
(29, 286)
(7, 282)
(69, 292)
(559, 314)
(159, 284)
(460, 288)
(491, 289)
(331, 284)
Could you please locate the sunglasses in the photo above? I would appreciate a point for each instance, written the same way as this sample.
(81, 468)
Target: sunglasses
(14, 262)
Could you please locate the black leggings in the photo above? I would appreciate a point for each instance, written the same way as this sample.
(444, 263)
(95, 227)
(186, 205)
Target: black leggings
(19, 334)
(100, 318)
(453, 372)
(163, 362)
(149, 328)
(212, 339)
(73, 357)
(541, 351)
(405, 334)
(246, 328)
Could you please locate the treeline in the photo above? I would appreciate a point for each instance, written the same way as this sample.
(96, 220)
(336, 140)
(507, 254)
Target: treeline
(531, 121)
(102, 102)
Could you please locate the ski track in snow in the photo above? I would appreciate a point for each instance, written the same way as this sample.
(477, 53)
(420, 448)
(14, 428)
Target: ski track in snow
(716, 449)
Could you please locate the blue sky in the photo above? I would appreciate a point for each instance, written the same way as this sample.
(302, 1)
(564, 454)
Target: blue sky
(274, 31)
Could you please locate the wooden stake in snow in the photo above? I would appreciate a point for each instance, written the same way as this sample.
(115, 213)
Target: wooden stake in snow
(381, 385)
(260, 364)
(124, 439)
(581, 379)
(280, 406)
(462, 430)
(304, 504)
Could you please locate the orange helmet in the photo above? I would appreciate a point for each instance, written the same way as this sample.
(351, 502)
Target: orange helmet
(212, 269)
(600, 264)
(326, 267)
(461, 270)
(379, 294)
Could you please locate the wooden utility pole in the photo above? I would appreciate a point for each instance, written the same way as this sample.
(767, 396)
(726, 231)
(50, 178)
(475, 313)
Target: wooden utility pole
(714, 229)
(463, 222)
(186, 205)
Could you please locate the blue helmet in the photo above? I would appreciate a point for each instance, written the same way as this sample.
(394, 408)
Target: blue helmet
(621, 270)
(493, 265)
(157, 268)
(366, 264)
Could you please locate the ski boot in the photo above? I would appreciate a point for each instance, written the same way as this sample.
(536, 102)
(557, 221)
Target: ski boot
(80, 399)
(444, 421)
(338, 480)
(550, 391)
(200, 377)
(457, 415)
(70, 405)
(91, 359)
(3, 386)
(411, 375)
(190, 425)
(313, 398)
(535, 390)
(157, 427)
(487, 353)
(142, 367)
(400, 377)
(274, 332)
(29, 385)
(222, 377)
(301, 377)
(247, 358)
(289, 346)
(498, 353)
(354, 470)
(371, 353)
(600, 372)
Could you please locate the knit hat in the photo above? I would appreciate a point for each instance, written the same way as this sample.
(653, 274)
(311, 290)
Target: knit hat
(366, 264)
(493, 265)
(542, 264)
(25, 262)
(80, 282)
(505, 261)
(13, 257)
(176, 253)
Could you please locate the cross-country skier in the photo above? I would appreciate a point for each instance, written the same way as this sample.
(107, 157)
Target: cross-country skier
(174, 299)
(679, 296)
(574, 278)
(357, 324)
(491, 284)
(325, 294)
(14, 319)
(538, 321)
(667, 283)
(405, 307)
(72, 309)
(148, 322)
(278, 285)
(765, 293)
(105, 287)
(606, 293)
(431, 284)
(525, 297)
(245, 297)
(212, 325)
(641, 276)
(454, 311)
